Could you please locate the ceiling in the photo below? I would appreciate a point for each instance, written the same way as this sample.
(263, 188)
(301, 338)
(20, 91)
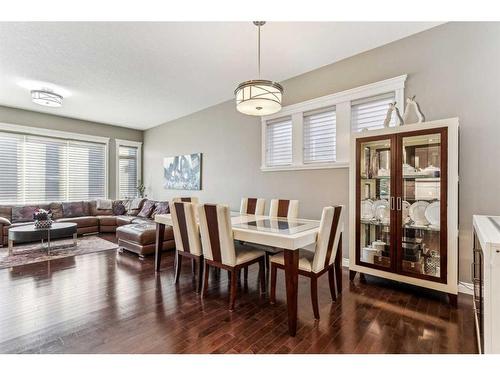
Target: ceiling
(140, 75)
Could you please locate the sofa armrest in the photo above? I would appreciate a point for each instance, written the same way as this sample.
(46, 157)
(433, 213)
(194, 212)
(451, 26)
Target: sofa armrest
(4, 221)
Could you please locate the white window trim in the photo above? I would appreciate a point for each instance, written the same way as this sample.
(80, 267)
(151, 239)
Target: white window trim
(342, 101)
(124, 142)
(44, 132)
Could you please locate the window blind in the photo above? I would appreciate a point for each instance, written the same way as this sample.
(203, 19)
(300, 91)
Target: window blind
(320, 135)
(128, 178)
(369, 113)
(43, 169)
(279, 142)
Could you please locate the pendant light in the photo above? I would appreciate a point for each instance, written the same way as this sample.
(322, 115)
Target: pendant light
(258, 97)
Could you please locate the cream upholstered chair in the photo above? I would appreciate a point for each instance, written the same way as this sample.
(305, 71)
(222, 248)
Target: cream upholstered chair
(284, 208)
(325, 257)
(187, 238)
(252, 206)
(186, 199)
(221, 251)
(281, 208)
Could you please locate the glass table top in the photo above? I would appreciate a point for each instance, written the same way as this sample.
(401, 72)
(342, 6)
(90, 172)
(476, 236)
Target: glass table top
(277, 225)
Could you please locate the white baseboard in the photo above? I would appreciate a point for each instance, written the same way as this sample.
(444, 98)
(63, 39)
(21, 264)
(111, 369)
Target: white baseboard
(463, 287)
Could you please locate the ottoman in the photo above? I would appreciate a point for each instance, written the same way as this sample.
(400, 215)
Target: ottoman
(140, 238)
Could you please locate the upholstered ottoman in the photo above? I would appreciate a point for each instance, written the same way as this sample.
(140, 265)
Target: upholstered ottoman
(140, 238)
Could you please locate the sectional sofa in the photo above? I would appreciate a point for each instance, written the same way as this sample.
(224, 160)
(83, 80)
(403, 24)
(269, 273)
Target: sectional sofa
(132, 220)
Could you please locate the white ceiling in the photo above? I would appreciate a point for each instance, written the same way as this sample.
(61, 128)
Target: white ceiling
(140, 75)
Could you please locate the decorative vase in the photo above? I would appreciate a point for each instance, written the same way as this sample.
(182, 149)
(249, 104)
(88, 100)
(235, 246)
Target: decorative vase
(43, 224)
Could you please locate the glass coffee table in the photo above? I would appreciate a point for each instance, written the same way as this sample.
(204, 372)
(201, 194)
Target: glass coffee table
(28, 233)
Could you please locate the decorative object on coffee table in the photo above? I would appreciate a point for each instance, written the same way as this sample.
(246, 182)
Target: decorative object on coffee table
(42, 218)
(29, 233)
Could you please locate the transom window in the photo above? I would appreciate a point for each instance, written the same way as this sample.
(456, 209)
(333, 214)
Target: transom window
(317, 133)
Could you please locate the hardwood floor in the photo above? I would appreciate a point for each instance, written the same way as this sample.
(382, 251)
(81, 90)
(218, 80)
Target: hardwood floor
(114, 303)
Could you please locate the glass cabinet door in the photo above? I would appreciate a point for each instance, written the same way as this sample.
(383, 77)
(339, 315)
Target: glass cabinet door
(420, 203)
(374, 203)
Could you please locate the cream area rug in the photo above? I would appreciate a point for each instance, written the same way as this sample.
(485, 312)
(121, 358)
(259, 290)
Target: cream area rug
(34, 252)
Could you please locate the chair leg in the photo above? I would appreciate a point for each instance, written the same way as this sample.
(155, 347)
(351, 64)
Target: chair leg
(199, 275)
(204, 287)
(267, 261)
(314, 296)
(245, 273)
(262, 275)
(272, 297)
(193, 266)
(234, 287)
(178, 266)
(333, 282)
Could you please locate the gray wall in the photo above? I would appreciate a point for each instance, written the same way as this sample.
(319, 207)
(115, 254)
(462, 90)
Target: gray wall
(454, 71)
(42, 120)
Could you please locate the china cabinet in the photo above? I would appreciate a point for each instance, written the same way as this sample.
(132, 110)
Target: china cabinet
(404, 205)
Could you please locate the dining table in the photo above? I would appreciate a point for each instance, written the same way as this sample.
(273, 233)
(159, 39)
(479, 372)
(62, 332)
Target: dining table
(288, 235)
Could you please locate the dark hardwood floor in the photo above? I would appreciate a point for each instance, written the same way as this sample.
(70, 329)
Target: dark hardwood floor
(114, 303)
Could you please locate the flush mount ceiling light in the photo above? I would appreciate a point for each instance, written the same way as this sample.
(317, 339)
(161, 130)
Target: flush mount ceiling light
(258, 97)
(46, 98)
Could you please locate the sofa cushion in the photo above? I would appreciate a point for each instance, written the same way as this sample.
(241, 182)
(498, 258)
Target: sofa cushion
(81, 221)
(6, 212)
(4, 221)
(22, 214)
(124, 220)
(147, 209)
(107, 220)
(143, 220)
(75, 209)
(161, 208)
(133, 206)
(96, 212)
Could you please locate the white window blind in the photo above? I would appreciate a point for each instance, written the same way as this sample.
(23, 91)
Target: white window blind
(320, 135)
(279, 142)
(128, 176)
(42, 169)
(369, 113)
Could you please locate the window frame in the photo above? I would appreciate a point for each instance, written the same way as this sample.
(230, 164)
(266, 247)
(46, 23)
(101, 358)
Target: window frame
(64, 135)
(342, 103)
(127, 143)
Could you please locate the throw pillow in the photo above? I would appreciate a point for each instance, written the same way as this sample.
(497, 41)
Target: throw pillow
(22, 214)
(147, 209)
(119, 208)
(160, 209)
(73, 209)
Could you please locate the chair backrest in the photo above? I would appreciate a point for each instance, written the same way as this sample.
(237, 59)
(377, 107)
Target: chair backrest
(284, 208)
(186, 199)
(252, 206)
(330, 229)
(186, 230)
(217, 233)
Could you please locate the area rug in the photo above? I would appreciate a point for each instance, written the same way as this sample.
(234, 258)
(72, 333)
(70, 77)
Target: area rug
(34, 253)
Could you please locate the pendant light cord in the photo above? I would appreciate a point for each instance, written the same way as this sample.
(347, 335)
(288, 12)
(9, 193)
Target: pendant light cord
(258, 63)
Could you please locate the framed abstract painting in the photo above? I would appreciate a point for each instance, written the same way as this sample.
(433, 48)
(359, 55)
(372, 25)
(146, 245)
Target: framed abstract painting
(182, 172)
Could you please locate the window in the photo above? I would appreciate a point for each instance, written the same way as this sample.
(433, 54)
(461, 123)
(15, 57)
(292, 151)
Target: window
(370, 113)
(279, 142)
(316, 134)
(319, 135)
(45, 169)
(128, 168)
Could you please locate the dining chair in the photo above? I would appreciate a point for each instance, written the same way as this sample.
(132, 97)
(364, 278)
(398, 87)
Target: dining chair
(281, 208)
(186, 199)
(284, 208)
(187, 239)
(222, 252)
(313, 264)
(252, 206)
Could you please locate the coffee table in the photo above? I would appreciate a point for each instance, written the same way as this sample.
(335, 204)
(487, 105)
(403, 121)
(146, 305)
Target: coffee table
(28, 233)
